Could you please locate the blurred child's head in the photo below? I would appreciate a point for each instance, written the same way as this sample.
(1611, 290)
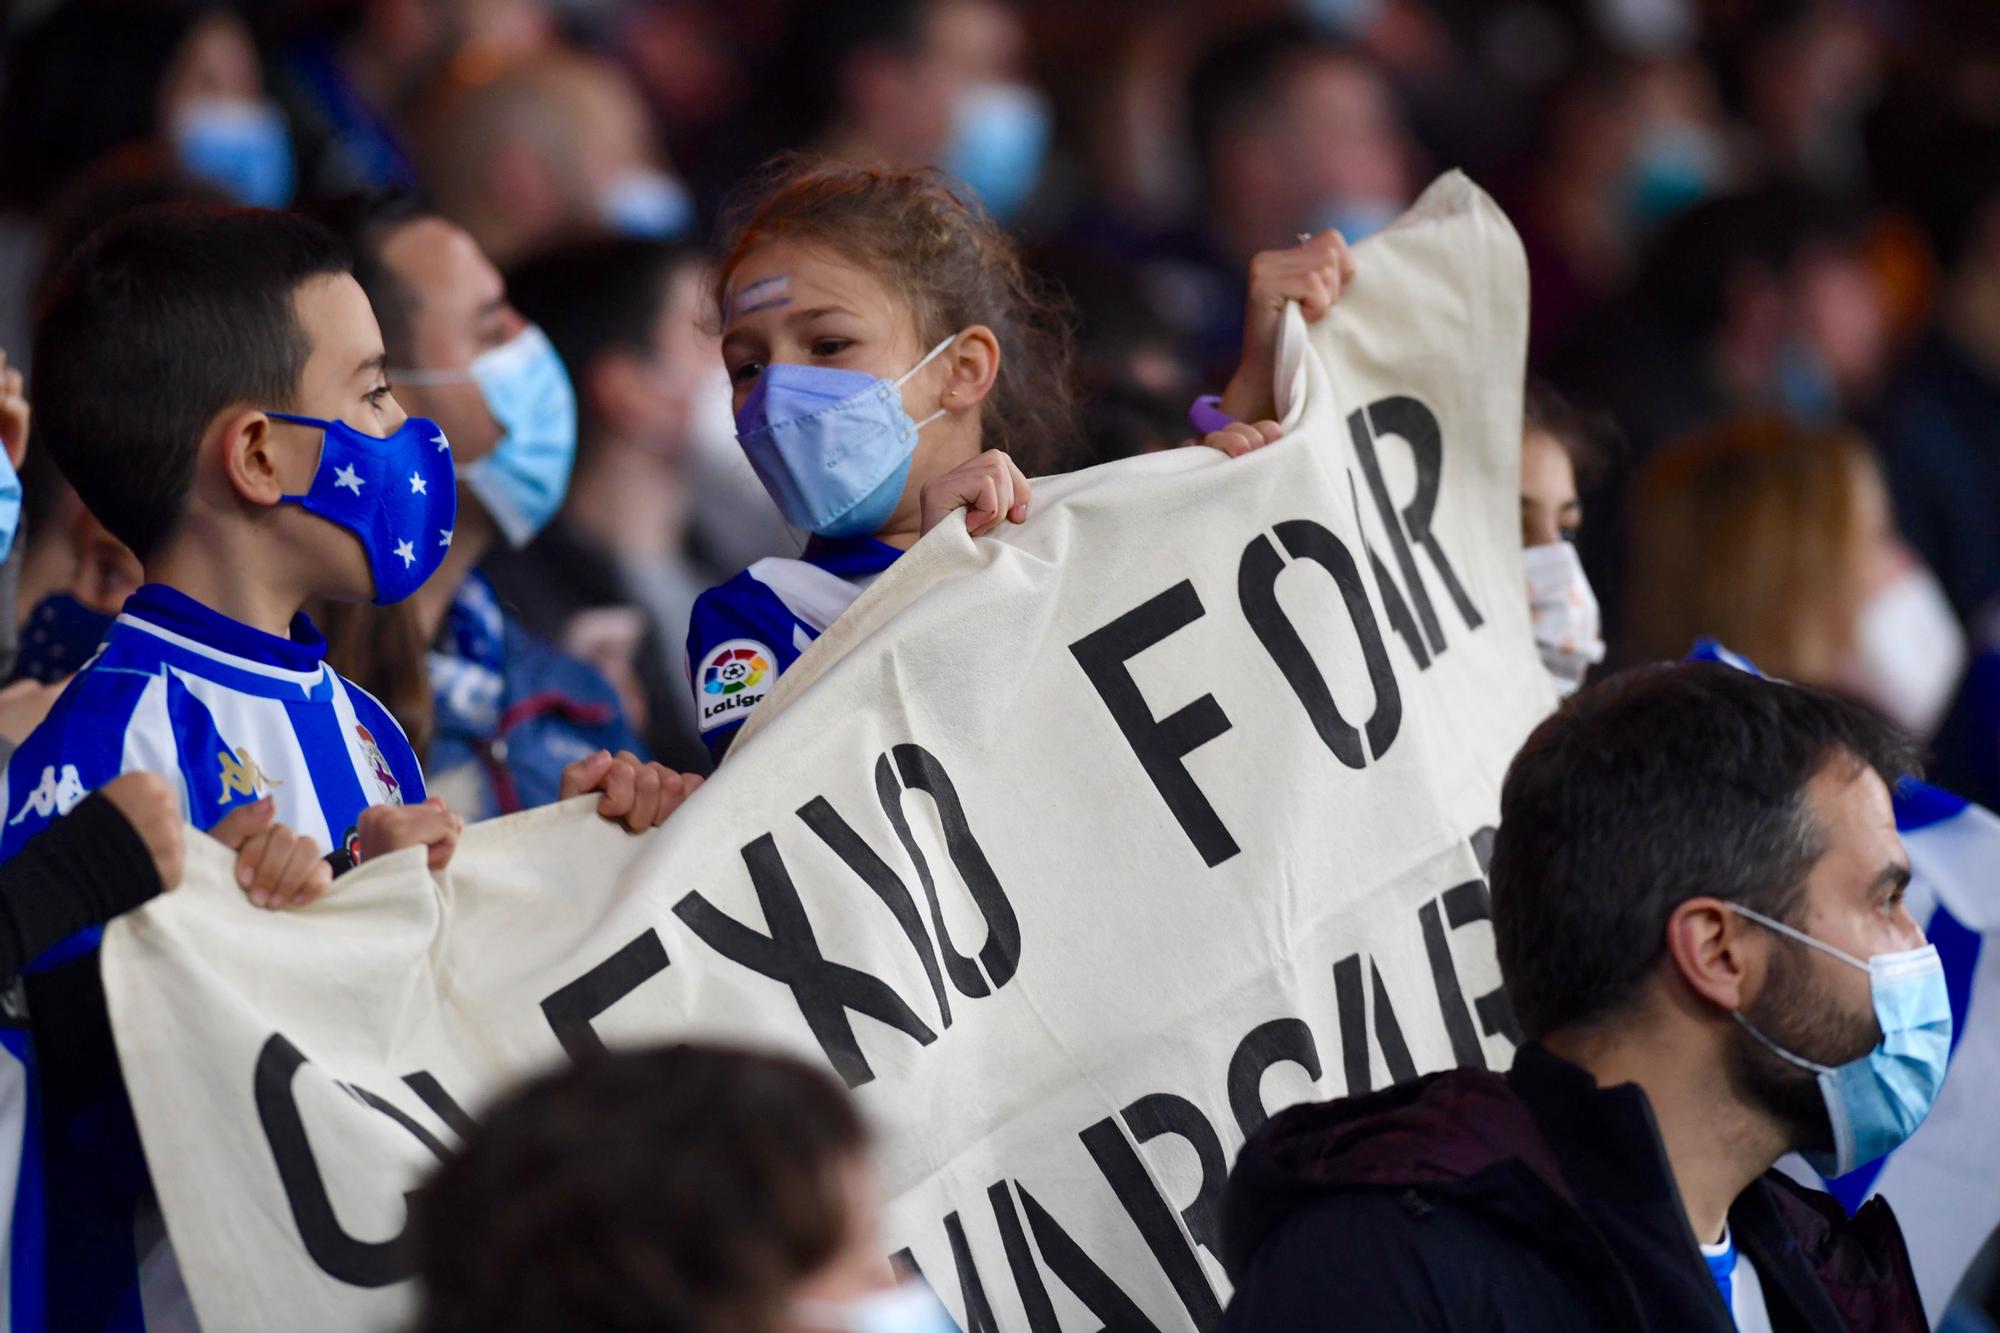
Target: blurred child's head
(162, 351)
(871, 271)
(685, 1187)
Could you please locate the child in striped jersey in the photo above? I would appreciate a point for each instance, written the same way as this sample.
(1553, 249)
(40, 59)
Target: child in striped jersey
(212, 384)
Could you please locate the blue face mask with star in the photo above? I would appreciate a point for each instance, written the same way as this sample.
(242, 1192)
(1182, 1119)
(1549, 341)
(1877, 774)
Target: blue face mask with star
(396, 493)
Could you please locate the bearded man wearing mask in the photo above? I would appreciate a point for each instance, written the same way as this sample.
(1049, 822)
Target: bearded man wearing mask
(1698, 905)
(503, 712)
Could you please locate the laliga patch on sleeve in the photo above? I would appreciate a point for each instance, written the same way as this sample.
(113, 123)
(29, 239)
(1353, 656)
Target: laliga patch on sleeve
(730, 681)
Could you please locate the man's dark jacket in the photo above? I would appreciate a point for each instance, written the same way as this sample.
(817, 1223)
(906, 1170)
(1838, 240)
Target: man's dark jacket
(1531, 1202)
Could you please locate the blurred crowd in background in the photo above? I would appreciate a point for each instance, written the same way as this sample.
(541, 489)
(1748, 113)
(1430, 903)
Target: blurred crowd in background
(1764, 245)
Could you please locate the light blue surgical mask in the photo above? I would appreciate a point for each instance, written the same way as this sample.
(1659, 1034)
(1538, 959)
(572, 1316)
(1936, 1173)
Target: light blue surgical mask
(1803, 385)
(1674, 167)
(523, 481)
(243, 146)
(647, 203)
(910, 1308)
(833, 447)
(1876, 1102)
(10, 504)
(1355, 219)
(999, 137)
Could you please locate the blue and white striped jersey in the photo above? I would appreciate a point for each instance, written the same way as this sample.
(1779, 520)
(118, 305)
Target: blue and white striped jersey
(747, 632)
(228, 714)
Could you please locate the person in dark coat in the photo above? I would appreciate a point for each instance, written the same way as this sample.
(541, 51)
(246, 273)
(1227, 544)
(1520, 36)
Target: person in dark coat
(1697, 900)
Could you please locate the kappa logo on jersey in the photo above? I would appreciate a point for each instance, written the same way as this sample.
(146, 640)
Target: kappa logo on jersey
(733, 676)
(52, 795)
(241, 776)
(391, 790)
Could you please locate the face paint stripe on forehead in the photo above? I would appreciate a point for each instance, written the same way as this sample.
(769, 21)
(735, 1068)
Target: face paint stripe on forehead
(763, 294)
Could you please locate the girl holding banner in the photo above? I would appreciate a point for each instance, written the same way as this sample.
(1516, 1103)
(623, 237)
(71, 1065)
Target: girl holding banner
(852, 299)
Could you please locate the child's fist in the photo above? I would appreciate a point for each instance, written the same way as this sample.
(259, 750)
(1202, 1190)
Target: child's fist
(1241, 437)
(390, 828)
(154, 812)
(276, 866)
(991, 486)
(638, 795)
(1314, 273)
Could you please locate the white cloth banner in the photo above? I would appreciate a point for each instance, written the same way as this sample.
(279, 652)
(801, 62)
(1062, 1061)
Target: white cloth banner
(1073, 849)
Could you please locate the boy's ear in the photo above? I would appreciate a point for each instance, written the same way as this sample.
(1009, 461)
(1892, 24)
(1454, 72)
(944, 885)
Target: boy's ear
(246, 442)
(974, 362)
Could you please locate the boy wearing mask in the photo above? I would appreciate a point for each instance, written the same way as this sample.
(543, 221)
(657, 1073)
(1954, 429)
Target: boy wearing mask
(213, 385)
(507, 713)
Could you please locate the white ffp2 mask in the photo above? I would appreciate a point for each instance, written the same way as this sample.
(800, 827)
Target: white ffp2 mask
(1568, 625)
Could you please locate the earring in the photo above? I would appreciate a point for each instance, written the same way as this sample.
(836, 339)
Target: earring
(951, 393)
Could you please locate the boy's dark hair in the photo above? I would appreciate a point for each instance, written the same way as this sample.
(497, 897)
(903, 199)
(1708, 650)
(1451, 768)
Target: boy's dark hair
(362, 222)
(596, 296)
(156, 325)
(1661, 784)
(687, 1187)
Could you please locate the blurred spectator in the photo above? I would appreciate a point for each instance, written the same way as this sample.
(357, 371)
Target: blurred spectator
(508, 711)
(1626, 145)
(1778, 541)
(914, 83)
(1562, 455)
(181, 77)
(689, 1187)
(625, 315)
(551, 149)
(1134, 384)
(170, 88)
(351, 78)
(1940, 418)
(1291, 133)
(1758, 302)
(1802, 73)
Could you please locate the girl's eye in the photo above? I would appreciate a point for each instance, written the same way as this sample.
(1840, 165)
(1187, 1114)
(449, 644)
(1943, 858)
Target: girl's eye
(831, 346)
(377, 395)
(746, 372)
(1569, 534)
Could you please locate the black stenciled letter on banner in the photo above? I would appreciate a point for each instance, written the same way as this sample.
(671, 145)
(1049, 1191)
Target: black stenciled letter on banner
(824, 990)
(570, 1011)
(1001, 954)
(1279, 1041)
(1257, 589)
(1417, 426)
(360, 1263)
(1160, 743)
(1148, 1118)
